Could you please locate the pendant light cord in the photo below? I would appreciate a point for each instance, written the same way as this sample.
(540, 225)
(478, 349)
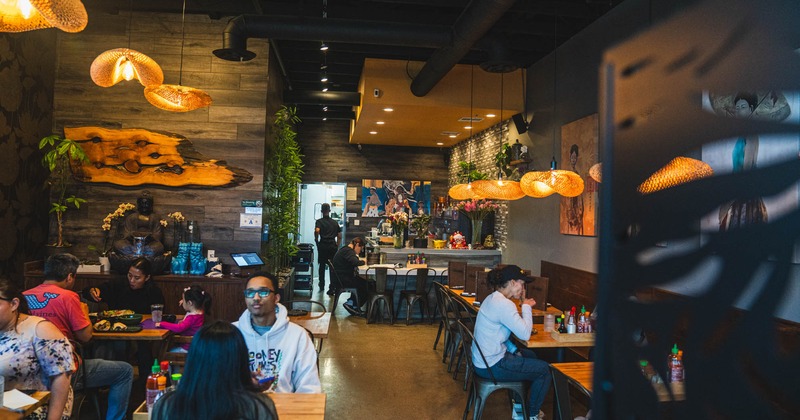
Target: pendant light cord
(554, 162)
(469, 144)
(183, 40)
(130, 22)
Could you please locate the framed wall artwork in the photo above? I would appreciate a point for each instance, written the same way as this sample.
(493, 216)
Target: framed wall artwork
(749, 152)
(578, 153)
(379, 197)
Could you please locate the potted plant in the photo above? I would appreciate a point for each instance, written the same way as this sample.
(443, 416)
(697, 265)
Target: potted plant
(420, 224)
(60, 154)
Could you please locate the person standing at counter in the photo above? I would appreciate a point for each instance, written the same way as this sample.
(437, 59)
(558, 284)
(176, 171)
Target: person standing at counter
(346, 263)
(282, 355)
(328, 236)
(496, 321)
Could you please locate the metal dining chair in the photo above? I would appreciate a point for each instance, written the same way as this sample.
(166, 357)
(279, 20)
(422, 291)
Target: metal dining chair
(418, 294)
(382, 293)
(339, 288)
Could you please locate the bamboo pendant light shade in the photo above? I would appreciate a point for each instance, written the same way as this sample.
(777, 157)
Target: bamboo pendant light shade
(114, 66)
(565, 183)
(176, 98)
(498, 189)
(29, 15)
(678, 171)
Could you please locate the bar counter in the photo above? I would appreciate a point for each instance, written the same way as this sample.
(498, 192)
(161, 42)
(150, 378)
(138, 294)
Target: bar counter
(440, 257)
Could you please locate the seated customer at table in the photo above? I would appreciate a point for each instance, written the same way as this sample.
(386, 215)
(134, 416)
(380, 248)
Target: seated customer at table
(345, 264)
(216, 382)
(197, 304)
(496, 321)
(277, 348)
(55, 301)
(34, 355)
(136, 294)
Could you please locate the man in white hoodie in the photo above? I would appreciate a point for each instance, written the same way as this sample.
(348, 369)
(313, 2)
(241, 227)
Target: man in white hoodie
(282, 355)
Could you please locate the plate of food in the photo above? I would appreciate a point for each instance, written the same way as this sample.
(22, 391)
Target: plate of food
(104, 325)
(113, 313)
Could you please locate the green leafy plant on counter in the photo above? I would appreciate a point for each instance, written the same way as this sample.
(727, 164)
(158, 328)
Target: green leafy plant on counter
(467, 171)
(420, 224)
(58, 158)
(282, 173)
(502, 160)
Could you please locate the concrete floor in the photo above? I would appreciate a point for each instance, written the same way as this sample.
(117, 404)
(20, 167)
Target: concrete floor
(392, 372)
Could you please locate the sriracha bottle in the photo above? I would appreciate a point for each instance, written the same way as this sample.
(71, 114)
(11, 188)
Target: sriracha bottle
(151, 386)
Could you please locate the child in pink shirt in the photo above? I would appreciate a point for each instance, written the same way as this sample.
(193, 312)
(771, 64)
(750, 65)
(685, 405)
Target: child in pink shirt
(197, 304)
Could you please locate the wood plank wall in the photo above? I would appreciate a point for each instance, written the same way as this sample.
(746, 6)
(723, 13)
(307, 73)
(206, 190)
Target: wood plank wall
(329, 157)
(569, 286)
(231, 129)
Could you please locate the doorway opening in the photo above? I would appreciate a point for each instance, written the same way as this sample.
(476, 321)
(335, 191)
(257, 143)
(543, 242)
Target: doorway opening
(312, 196)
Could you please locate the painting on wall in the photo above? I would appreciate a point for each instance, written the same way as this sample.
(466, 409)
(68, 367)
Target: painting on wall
(578, 154)
(750, 152)
(379, 197)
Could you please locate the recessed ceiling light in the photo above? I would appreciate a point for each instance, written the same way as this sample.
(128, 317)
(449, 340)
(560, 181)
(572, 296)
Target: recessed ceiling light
(452, 136)
(324, 108)
(467, 127)
(438, 143)
(324, 78)
(323, 47)
(324, 118)
(380, 122)
(373, 132)
(388, 109)
(490, 115)
(325, 89)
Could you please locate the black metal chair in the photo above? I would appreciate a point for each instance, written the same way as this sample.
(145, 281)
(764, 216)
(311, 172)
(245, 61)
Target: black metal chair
(418, 294)
(480, 387)
(339, 288)
(466, 315)
(382, 293)
(441, 308)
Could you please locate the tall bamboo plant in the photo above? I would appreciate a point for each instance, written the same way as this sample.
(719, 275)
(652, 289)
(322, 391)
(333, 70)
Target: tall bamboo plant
(283, 172)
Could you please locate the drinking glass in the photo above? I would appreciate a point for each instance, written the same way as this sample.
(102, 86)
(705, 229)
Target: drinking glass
(157, 310)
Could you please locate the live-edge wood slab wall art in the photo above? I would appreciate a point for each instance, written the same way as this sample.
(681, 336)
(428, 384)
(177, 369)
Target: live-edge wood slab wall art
(136, 156)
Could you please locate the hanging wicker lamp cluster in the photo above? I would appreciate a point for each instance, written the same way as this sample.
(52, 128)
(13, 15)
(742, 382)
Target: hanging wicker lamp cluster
(114, 66)
(29, 15)
(540, 184)
(678, 171)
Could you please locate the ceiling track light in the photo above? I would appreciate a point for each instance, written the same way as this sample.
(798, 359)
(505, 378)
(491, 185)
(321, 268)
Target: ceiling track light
(323, 46)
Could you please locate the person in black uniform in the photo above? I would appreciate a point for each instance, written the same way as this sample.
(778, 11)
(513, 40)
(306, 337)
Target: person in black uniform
(327, 235)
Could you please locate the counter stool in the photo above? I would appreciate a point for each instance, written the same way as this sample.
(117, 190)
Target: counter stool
(419, 294)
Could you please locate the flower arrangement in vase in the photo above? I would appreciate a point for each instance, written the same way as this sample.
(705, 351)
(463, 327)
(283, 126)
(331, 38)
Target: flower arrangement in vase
(399, 222)
(477, 210)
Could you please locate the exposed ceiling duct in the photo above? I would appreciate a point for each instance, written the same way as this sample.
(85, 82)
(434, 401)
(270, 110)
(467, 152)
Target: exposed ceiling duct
(453, 43)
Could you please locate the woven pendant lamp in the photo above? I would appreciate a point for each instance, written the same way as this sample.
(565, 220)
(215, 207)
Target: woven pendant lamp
(678, 171)
(499, 189)
(114, 66)
(540, 184)
(29, 15)
(596, 172)
(464, 192)
(177, 98)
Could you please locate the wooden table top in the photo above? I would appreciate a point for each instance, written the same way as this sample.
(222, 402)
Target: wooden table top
(146, 334)
(289, 407)
(544, 340)
(317, 322)
(299, 406)
(42, 397)
(581, 373)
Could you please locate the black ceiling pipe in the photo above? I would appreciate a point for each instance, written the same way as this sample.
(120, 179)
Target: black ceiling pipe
(234, 37)
(322, 98)
(475, 21)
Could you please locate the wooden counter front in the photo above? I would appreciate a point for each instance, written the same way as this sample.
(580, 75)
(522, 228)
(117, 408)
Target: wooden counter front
(226, 292)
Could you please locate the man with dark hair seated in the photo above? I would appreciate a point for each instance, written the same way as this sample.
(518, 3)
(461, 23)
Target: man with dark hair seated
(54, 301)
(346, 263)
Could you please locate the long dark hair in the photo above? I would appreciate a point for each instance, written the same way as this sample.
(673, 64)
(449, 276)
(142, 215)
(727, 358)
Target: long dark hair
(8, 291)
(200, 298)
(216, 382)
